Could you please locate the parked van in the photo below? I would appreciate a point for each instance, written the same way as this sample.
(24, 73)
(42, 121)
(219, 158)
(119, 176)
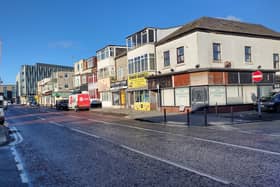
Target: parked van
(79, 101)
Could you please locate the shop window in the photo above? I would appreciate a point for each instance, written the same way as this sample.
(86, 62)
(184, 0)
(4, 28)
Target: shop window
(182, 96)
(234, 95)
(167, 97)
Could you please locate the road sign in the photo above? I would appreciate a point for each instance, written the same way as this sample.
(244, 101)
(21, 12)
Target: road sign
(257, 76)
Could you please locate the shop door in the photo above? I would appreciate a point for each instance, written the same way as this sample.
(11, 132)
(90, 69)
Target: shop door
(199, 97)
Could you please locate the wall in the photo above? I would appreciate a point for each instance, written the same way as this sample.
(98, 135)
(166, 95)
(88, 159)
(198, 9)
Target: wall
(189, 42)
(232, 49)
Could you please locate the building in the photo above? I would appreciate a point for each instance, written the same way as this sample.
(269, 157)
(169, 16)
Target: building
(78, 71)
(119, 84)
(29, 76)
(142, 63)
(210, 62)
(92, 78)
(8, 91)
(58, 86)
(106, 71)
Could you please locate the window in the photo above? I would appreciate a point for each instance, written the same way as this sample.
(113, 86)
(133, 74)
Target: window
(144, 37)
(66, 86)
(216, 52)
(180, 55)
(276, 61)
(151, 36)
(138, 36)
(65, 75)
(247, 54)
(166, 59)
(152, 62)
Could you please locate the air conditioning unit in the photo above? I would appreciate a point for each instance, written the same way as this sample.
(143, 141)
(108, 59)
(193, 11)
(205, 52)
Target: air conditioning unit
(227, 64)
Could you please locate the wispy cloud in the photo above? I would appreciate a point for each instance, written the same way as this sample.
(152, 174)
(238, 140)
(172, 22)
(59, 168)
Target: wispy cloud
(232, 18)
(64, 44)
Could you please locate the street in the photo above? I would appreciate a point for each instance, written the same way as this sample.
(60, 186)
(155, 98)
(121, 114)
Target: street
(67, 148)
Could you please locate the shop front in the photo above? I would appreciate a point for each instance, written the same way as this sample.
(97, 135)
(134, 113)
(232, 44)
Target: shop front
(118, 93)
(138, 93)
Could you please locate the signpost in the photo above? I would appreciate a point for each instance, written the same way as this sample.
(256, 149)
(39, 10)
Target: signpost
(257, 76)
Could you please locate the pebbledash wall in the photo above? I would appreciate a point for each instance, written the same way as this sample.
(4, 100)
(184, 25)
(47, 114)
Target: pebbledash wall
(198, 79)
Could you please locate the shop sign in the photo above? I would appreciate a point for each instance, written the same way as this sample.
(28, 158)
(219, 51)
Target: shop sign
(142, 106)
(119, 84)
(137, 80)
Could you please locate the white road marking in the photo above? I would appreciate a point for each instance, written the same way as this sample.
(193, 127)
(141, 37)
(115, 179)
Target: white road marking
(85, 133)
(196, 138)
(23, 177)
(177, 165)
(18, 139)
(19, 167)
(155, 157)
(57, 124)
(41, 118)
(75, 116)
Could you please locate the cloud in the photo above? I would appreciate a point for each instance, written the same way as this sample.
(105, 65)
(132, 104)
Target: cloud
(64, 44)
(232, 18)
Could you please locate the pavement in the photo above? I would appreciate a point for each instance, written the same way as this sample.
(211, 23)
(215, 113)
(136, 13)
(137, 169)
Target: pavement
(195, 119)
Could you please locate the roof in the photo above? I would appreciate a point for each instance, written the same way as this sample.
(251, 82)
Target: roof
(224, 26)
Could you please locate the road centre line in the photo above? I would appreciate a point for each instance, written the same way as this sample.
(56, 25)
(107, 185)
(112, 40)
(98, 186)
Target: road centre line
(57, 124)
(85, 133)
(176, 165)
(196, 138)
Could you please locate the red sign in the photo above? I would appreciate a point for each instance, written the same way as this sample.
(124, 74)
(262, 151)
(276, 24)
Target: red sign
(257, 76)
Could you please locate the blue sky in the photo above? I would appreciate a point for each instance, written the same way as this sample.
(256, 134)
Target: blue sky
(63, 31)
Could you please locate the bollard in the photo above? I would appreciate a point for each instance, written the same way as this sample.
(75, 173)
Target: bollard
(164, 115)
(232, 117)
(205, 117)
(188, 117)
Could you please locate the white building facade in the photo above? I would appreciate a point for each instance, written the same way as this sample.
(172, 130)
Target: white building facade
(210, 62)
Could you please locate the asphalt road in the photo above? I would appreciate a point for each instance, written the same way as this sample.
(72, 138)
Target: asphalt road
(88, 149)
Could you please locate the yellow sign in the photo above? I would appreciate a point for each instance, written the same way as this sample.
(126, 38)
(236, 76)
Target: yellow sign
(137, 80)
(143, 106)
(122, 97)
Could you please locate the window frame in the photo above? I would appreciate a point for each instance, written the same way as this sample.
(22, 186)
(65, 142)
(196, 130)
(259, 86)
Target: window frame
(248, 54)
(180, 57)
(216, 52)
(166, 58)
(275, 61)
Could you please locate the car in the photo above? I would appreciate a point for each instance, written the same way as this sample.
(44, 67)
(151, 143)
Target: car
(62, 104)
(95, 104)
(2, 116)
(272, 103)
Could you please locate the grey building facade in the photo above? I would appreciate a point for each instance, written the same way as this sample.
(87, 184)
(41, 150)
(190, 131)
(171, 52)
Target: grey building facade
(29, 75)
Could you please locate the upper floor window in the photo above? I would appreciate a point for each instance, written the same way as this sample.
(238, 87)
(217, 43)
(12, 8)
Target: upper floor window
(66, 86)
(166, 58)
(141, 38)
(276, 61)
(248, 54)
(216, 52)
(65, 75)
(141, 63)
(180, 55)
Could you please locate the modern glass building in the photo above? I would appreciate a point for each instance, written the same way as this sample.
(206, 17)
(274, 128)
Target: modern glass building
(29, 75)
